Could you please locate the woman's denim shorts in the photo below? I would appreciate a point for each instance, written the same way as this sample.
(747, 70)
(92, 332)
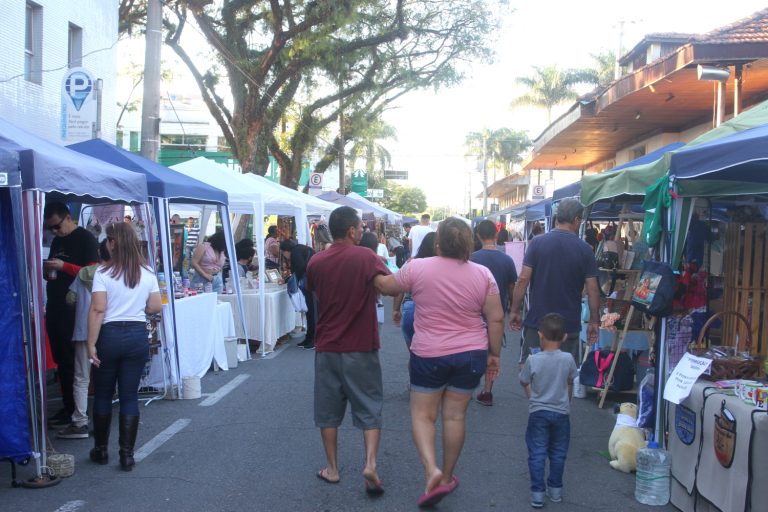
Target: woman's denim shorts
(460, 372)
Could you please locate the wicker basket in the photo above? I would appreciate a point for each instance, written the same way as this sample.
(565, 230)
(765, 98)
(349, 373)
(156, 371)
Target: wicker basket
(62, 464)
(727, 368)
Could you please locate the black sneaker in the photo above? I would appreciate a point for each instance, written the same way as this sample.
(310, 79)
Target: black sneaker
(74, 432)
(60, 419)
(311, 346)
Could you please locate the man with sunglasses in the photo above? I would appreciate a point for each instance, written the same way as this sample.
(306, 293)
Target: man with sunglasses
(71, 249)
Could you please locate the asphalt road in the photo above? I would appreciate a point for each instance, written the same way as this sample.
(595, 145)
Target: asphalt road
(256, 449)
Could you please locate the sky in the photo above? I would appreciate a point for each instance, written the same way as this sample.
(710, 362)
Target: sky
(431, 127)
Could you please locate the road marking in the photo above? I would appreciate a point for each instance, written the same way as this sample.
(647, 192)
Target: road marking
(157, 441)
(223, 391)
(71, 506)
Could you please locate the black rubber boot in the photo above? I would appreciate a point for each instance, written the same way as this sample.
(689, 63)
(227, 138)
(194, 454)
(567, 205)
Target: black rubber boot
(101, 425)
(129, 427)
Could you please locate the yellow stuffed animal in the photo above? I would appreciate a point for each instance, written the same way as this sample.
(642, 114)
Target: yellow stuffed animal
(626, 439)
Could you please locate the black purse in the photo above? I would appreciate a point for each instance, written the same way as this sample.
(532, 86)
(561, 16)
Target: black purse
(608, 260)
(655, 290)
(595, 370)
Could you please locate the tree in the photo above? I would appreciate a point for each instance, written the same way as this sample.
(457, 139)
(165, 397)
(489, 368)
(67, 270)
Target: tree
(322, 58)
(605, 66)
(497, 150)
(550, 86)
(404, 199)
(377, 157)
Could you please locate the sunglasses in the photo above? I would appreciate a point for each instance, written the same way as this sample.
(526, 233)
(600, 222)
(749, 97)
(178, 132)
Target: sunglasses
(55, 227)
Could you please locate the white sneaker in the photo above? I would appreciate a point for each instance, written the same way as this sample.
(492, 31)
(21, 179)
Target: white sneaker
(555, 494)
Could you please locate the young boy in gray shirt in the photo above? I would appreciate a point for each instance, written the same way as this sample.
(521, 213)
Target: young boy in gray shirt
(547, 378)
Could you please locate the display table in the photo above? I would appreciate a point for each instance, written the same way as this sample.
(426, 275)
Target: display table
(700, 481)
(279, 317)
(201, 326)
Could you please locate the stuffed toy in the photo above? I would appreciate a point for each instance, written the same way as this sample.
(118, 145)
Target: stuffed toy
(626, 439)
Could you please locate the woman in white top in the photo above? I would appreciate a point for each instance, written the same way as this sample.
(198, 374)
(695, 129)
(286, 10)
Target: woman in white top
(124, 291)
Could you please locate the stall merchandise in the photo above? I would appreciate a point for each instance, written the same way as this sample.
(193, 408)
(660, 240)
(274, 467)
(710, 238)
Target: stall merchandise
(33, 170)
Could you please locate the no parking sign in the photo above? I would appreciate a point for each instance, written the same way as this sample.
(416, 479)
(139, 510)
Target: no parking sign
(316, 180)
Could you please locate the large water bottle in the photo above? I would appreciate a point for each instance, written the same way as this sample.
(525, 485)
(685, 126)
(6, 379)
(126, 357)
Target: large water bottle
(652, 479)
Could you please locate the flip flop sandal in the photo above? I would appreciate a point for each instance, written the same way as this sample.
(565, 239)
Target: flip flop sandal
(322, 476)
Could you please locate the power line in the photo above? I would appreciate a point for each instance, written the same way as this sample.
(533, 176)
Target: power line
(14, 77)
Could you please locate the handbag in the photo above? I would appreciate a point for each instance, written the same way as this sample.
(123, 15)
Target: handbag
(655, 290)
(595, 369)
(296, 295)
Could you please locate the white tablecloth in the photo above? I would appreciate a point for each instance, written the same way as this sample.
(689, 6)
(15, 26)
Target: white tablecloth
(201, 326)
(280, 317)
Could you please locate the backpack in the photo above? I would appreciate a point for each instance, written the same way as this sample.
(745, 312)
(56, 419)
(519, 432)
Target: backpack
(595, 370)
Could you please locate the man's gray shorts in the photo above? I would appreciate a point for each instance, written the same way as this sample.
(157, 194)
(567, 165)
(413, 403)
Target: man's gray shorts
(530, 340)
(348, 376)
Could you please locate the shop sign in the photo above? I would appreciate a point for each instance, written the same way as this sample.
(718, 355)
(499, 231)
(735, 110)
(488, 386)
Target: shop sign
(78, 105)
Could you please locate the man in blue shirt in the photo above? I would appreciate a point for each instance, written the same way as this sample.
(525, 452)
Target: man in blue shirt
(503, 269)
(556, 268)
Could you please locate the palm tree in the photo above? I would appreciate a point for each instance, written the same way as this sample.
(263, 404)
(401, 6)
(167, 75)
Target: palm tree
(550, 86)
(366, 145)
(605, 66)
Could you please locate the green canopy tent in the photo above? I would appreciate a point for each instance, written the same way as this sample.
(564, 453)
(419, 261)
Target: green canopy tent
(634, 180)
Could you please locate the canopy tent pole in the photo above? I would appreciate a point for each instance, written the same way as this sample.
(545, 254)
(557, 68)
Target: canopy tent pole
(258, 223)
(169, 324)
(32, 208)
(229, 237)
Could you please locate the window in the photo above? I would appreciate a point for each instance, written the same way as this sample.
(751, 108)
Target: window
(638, 152)
(189, 142)
(33, 42)
(75, 47)
(133, 144)
(119, 138)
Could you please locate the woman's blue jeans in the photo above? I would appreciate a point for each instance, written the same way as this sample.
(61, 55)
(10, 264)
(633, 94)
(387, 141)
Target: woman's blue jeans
(123, 349)
(548, 435)
(406, 321)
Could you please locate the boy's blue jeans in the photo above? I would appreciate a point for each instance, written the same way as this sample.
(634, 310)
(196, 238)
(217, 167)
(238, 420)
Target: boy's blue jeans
(548, 435)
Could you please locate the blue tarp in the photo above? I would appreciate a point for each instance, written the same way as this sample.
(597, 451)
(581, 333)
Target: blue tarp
(161, 181)
(14, 427)
(539, 211)
(574, 189)
(742, 156)
(51, 168)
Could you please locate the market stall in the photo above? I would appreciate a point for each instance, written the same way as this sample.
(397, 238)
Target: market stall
(166, 186)
(34, 169)
(248, 197)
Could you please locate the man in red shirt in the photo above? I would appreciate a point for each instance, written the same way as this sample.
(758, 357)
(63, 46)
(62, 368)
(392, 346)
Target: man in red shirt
(347, 365)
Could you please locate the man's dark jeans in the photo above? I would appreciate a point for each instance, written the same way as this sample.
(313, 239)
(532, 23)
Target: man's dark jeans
(123, 349)
(548, 435)
(60, 323)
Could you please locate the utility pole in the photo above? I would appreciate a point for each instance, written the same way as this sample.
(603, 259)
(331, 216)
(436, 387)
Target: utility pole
(485, 173)
(150, 105)
(341, 149)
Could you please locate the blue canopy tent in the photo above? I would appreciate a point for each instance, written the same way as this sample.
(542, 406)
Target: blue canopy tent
(167, 186)
(334, 197)
(31, 169)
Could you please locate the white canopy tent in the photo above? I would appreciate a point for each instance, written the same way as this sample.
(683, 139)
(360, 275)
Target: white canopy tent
(380, 211)
(248, 197)
(312, 205)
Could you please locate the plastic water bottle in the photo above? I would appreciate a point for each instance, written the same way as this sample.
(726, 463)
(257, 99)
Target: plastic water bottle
(652, 479)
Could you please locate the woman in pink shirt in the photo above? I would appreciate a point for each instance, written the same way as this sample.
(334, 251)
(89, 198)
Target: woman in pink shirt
(458, 328)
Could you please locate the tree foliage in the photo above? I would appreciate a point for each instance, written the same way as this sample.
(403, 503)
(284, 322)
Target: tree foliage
(503, 147)
(323, 59)
(550, 86)
(404, 199)
(605, 66)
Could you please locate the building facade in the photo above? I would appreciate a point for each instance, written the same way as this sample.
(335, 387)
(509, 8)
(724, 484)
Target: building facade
(41, 41)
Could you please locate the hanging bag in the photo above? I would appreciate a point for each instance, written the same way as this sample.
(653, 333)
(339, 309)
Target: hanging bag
(655, 290)
(296, 295)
